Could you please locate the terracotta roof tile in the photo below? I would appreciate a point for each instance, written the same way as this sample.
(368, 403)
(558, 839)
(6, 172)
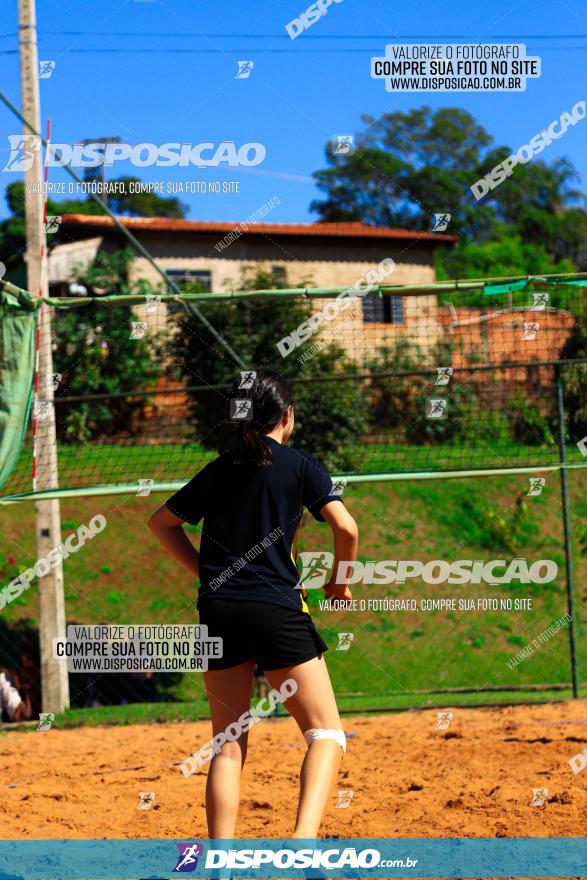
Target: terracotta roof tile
(342, 230)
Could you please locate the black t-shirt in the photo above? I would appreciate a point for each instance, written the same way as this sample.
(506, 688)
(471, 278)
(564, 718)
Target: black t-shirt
(251, 515)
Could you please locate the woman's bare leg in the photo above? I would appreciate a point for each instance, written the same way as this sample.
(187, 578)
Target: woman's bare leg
(229, 694)
(313, 706)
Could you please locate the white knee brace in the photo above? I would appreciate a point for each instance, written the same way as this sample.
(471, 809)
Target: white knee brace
(316, 733)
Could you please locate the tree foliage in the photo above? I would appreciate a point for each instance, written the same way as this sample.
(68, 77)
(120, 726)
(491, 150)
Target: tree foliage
(330, 411)
(407, 166)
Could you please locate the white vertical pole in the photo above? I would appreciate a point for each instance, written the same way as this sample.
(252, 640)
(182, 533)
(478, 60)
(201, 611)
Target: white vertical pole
(55, 687)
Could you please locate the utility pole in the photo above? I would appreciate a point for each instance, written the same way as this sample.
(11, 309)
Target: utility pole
(54, 681)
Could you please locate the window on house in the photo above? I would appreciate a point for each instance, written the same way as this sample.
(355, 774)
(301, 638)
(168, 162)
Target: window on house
(383, 309)
(279, 272)
(190, 276)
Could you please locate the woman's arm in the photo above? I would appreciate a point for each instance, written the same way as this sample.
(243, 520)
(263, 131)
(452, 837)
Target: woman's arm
(346, 544)
(167, 528)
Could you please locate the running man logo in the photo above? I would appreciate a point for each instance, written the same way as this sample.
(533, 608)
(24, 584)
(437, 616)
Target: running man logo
(23, 151)
(536, 486)
(138, 329)
(245, 68)
(344, 641)
(53, 381)
(52, 223)
(145, 487)
(46, 719)
(345, 798)
(578, 762)
(338, 485)
(241, 410)
(189, 854)
(42, 410)
(444, 374)
(436, 408)
(46, 69)
(342, 144)
(314, 569)
(247, 379)
(531, 328)
(539, 301)
(538, 797)
(146, 798)
(440, 222)
(152, 303)
(444, 719)
(582, 446)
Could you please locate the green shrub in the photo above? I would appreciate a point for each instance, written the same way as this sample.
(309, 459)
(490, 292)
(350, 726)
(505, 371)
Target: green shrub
(331, 412)
(529, 426)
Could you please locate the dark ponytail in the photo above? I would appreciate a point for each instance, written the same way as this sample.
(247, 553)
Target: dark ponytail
(270, 396)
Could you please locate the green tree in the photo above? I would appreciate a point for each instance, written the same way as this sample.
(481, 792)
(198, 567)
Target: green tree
(13, 227)
(408, 166)
(330, 404)
(96, 354)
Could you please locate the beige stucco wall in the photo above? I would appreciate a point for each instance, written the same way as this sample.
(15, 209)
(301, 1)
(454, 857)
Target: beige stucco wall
(307, 260)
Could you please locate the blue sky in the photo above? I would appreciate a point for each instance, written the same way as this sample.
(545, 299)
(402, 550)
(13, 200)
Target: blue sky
(300, 92)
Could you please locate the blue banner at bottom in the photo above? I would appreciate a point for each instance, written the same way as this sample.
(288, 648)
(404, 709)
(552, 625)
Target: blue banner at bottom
(361, 858)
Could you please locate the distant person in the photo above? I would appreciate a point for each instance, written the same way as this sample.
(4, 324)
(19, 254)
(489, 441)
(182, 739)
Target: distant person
(14, 707)
(251, 499)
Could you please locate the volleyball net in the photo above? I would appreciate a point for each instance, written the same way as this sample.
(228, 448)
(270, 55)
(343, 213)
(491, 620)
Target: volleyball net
(460, 379)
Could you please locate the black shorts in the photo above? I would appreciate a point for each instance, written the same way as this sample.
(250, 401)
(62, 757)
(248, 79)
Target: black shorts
(272, 635)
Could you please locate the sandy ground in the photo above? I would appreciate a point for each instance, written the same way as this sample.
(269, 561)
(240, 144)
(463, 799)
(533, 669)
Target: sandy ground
(408, 779)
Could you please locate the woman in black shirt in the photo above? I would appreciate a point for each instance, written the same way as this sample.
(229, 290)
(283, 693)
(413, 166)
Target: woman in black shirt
(251, 500)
